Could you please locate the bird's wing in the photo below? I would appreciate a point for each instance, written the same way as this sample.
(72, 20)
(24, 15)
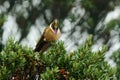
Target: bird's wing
(42, 43)
(39, 44)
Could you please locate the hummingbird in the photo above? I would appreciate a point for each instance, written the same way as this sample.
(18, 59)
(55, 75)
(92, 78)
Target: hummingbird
(50, 34)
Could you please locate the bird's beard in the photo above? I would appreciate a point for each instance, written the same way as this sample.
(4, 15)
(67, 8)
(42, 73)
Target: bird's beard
(55, 31)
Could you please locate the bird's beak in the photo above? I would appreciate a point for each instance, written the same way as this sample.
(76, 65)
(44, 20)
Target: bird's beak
(55, 23)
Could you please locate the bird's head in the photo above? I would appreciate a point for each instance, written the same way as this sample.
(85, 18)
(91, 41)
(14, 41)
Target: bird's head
(54, 25)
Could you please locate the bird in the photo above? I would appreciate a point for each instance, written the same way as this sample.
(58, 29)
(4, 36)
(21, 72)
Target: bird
(50, 34)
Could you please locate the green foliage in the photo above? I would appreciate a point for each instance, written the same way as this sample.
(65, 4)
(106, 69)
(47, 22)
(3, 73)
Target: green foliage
(90, 22)
(87, 4)
(80, 64)
(61, 2)
(59, 8)
(50, 74)
(112, 24)
(54, 64)
(2, 20)
(14, 60)
(116, 58)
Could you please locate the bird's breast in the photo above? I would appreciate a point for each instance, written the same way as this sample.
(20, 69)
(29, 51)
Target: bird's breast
(50, 35)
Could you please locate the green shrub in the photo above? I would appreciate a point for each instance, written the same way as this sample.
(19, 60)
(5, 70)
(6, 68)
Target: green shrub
(54, 64)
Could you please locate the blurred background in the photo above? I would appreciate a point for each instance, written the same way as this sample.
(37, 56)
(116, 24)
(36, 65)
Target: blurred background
(25, 21)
